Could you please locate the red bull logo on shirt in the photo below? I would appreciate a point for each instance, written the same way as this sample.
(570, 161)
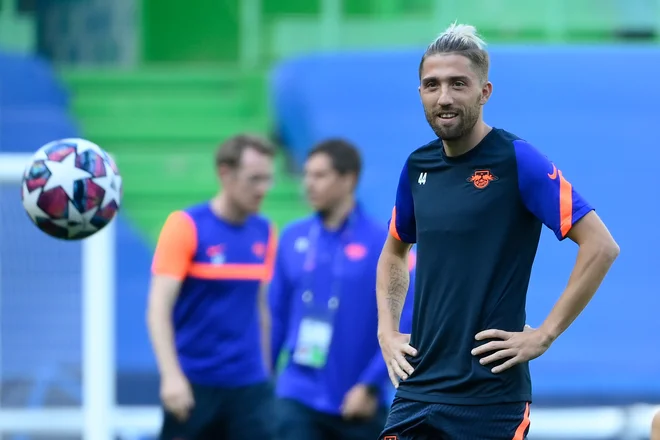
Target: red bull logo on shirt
(355, 251)
(481, 178)
(259, 249)
(216, 254)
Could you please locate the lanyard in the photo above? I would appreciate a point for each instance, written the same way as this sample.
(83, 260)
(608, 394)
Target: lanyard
(309, 265)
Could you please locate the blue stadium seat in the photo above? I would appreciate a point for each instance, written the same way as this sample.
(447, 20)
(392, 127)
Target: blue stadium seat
(27, 80)
(25, 129)
(287, 105)
(572, 104)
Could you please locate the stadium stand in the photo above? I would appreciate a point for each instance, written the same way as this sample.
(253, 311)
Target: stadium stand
(604, 357)
(161, 123)
(161, 142)
(164, 124)
(574, 105)
(41, 302)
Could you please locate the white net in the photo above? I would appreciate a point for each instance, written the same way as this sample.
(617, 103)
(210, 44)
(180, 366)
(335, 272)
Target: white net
(40, 313)
(56, 326)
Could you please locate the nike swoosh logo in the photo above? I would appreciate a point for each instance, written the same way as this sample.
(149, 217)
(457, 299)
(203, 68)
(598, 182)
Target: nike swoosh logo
(553, 176)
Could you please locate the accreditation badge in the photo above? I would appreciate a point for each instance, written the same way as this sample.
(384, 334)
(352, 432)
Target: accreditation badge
(313, 344)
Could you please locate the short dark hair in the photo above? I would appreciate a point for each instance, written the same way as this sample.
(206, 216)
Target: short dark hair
(230, 152)
(344, 156)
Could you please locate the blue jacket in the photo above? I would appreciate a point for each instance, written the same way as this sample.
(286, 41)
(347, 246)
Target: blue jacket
(344, 262)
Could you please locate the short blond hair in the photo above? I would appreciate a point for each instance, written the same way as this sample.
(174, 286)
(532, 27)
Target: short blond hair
(461, 39)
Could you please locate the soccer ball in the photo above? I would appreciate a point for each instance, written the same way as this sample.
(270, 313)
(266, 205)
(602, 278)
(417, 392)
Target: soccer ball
(71, 189)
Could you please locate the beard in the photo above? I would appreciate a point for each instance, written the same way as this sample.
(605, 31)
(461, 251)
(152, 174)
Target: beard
(462, 124)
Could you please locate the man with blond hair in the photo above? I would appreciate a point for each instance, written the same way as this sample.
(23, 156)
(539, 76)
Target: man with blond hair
(474, 201)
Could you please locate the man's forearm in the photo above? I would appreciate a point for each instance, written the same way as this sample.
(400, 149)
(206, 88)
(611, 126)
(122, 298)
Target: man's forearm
(161, 333)
(593, 263)
(391, 288)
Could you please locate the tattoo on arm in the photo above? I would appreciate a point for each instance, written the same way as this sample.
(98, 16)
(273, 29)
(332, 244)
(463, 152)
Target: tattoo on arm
(396, 290)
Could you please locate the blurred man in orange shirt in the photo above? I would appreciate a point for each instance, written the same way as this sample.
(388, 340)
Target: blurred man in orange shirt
(208, 319)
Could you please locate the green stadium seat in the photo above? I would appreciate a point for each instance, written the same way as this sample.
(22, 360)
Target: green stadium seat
(163, 126)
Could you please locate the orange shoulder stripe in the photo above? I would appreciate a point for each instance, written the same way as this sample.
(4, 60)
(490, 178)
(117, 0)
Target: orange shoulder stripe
(393, 230)
(176, 246)
(565, 205)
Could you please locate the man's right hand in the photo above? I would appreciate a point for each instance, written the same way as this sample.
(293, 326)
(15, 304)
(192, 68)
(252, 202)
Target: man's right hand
(176, 394)
(395, 346)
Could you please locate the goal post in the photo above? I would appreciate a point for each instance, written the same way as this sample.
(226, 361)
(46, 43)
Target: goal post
(95, 418)
(12, 166)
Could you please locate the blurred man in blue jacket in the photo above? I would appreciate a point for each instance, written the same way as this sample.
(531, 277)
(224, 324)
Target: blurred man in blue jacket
(324, 318)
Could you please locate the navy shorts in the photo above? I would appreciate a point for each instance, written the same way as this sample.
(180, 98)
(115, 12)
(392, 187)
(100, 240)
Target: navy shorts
(225, 414)
(411, 420)
(296, 421)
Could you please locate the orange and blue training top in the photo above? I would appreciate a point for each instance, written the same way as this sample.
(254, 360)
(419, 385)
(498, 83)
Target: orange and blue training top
(477, 220)
(216, 319)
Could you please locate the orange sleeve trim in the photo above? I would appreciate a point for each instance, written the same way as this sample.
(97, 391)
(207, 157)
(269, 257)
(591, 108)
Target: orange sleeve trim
(565, 205)
(176, 246)
(235, 272)
(271, 253)
(393, 230)
(520, 432)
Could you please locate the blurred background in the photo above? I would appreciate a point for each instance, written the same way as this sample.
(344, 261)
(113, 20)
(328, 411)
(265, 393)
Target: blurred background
(159, 83)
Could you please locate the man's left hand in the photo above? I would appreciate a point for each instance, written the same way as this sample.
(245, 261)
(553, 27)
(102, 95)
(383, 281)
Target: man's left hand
(517, 346)
(359, 403)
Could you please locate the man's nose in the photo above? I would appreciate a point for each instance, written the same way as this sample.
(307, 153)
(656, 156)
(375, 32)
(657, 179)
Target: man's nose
(445, 98)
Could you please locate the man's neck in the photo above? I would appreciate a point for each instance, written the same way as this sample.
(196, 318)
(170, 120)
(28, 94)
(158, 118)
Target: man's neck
(336, 216)
(224, 209)
(468, 142)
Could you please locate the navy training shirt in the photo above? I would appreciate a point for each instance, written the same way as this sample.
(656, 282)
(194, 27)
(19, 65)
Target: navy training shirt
(476, 219)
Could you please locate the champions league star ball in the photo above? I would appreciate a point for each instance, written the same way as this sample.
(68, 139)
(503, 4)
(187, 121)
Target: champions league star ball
(71, 189)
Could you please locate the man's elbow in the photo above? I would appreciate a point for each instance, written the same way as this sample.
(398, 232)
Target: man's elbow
(591, 233)
(614, 250)
(608, 249)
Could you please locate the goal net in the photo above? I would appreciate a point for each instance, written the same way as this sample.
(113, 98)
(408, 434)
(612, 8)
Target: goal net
(56, 325)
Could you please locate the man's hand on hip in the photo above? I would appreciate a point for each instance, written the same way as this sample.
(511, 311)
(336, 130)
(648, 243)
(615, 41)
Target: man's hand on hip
(517, 347)
(395, 346)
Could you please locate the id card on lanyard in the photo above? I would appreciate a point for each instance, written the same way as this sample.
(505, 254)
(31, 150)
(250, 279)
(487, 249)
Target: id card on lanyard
(316, 326)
